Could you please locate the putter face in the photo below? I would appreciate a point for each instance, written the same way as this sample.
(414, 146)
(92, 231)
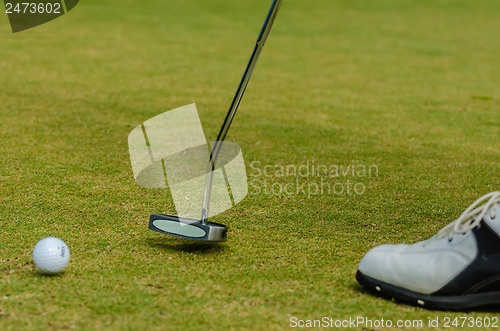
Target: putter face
(187, 228)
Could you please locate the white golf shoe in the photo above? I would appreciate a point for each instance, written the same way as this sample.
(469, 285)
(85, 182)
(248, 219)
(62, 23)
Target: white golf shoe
(456, 269)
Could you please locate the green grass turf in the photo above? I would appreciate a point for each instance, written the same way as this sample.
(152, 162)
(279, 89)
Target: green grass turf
(410, 86)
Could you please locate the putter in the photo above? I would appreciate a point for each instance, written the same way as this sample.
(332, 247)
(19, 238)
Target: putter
(202, 229)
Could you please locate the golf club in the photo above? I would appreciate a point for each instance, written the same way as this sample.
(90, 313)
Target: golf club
(202, 229)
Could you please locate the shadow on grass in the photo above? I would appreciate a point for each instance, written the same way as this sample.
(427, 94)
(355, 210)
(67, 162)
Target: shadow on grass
(187, 246)
(37, 273)
(361, 289)
(29, 269)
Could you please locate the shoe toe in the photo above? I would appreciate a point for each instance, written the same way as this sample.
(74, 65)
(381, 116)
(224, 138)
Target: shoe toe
(375, 262)
(419, 267)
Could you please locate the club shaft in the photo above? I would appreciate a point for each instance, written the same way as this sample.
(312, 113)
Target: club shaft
(234, 106)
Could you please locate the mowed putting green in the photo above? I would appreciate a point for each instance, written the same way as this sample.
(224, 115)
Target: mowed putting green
(402, 98)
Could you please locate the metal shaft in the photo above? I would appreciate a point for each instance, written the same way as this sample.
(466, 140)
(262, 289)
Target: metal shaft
(234, 106)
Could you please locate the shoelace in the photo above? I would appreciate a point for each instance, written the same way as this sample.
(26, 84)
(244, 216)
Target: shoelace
(472, 216)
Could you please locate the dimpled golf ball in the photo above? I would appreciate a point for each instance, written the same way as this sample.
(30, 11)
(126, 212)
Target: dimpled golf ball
(51, 255)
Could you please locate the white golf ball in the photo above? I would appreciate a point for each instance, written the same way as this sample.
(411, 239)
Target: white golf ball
(51, 255)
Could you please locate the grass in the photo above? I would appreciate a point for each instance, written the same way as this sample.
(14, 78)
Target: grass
(411, 87)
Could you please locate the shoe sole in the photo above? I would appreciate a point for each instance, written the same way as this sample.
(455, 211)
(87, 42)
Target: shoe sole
(459, 302)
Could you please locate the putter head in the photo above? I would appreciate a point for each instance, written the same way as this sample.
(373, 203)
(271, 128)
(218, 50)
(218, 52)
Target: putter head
(188, 228)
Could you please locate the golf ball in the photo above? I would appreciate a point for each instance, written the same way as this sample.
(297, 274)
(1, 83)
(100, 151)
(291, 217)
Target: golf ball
(51, 255)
